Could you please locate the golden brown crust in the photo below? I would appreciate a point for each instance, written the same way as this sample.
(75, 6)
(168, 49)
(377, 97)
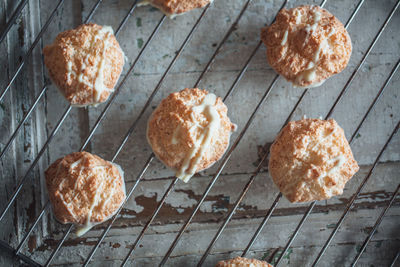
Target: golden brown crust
(307, 45)
(175, 7)
(85, 63)
(311, 160)
(174, 128)
(83, 188)
(243, 262)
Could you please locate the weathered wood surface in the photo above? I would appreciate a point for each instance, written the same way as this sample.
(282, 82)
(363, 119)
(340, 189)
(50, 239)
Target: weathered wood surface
(263, 130)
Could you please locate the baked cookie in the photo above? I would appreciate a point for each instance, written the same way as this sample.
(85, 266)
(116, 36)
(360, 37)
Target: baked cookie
(311, 160)
(307, 45)
(84, 189)
(243, 262)
(189, 131)
(85, 63)
(172, 8)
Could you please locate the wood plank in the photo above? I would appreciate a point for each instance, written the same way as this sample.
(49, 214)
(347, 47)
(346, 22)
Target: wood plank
(262, 132)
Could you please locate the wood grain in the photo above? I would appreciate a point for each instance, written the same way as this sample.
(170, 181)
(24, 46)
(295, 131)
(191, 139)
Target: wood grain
(235, 175)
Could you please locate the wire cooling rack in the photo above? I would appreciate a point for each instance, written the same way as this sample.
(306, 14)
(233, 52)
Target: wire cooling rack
(128, 259)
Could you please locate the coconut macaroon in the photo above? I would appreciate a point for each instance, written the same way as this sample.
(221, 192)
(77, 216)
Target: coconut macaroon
(311, 160)
(84, 189)
(85, 63)
(176, 7)
(307, 45)
(189, 131)
(243, 262)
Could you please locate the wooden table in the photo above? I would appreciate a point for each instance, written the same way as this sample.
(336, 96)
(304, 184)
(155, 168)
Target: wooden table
(182, 200)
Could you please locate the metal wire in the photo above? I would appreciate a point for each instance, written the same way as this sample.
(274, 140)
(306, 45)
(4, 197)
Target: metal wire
(58, 247)
(22, 181)
(132, 128)
(295, 233)
(134, 124)
(30, 50)
(329, 113)
(61, 242)
(245, 190)
(227, 155)
(152, 156)
(221, 229)
(42, 92)
(355, 133)
(221, 167)
(254, 175)
(92, 11)
(26, 236)
(11, 250)
(312, 205)
(377, 223)
(26, 116)
(58, 125)
(377, 97)
(173, 245)
(122, 24)
(171, 186)
(265, 157)
(263, 223)
(364, 58)
(114, 218)
(396, 257)
(279, 196)
(13, 18)
(231, 29)
(394, 70)
(173, 183)
(350, 204)
(103, 114)
(224, 161)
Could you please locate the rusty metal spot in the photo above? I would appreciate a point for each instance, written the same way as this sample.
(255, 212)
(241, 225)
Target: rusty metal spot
(31, 209)
(115, 245)
(32, 243)
(261, 151)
